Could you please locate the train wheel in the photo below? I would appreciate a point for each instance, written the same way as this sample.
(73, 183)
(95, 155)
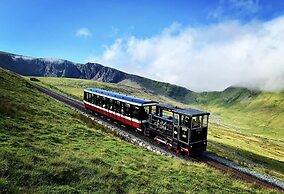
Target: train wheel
(177, 151)
(169, 147)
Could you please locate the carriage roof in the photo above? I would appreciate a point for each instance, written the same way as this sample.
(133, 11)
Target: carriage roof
(189, 111)
(121, 97)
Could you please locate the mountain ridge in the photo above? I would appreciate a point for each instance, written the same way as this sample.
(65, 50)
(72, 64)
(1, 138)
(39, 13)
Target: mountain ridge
(49, 67)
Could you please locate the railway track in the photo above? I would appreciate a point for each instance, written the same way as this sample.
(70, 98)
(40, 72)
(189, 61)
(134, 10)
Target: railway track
(139, 139)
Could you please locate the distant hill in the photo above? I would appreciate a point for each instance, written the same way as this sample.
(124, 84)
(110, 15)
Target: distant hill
(228, 97)
(30, 66)
(46, 146)
(233, 97)
(251, 111)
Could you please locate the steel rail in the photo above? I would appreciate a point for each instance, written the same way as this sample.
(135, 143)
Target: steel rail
(138, 138)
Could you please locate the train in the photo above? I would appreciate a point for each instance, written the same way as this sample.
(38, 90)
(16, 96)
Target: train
(181, 130)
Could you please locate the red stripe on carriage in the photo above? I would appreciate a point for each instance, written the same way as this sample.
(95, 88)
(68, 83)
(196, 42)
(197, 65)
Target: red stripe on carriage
(114, 116)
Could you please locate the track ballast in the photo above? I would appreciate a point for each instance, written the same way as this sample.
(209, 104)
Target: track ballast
(140, 140)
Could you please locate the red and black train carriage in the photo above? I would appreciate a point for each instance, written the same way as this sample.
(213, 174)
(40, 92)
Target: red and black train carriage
(184, 130)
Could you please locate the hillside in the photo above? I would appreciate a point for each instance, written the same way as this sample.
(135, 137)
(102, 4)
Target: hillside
(248, 110)
(46, 146)
(246, 125)
(240, 141)
(62, 68)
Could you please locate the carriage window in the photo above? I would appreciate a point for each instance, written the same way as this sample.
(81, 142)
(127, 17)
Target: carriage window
(122, 104)
(167, 114)
(146, 109)
(154, 110)
(100, 101)
(110, 106)
(144, 112)
(150, 109)
(114, 105)
(196, 121)
(181, 119)
(186, 121)
(94, 99)
(118, 107)
(158, 111)
(126, 109)
(135, 112)
(175, 119)
(104, 102)
(97, 100)
(89, 97)
(205, 121)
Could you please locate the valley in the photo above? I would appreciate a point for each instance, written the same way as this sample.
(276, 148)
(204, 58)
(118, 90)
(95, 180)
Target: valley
(242, 142)
(246, 126)
(46, 146)
(126, 97)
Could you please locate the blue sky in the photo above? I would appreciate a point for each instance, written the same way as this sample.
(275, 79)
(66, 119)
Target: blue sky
(98, 31)
(47, 28)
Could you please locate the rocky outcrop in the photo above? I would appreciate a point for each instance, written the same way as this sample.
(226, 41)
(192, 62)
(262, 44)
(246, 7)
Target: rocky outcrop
(30, 66)
(101, 73)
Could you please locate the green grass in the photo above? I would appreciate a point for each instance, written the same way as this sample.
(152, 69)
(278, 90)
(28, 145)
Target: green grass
(250, 123)
(75, 87)
(49, 148)
(254, 152)
(236, 116)
(252, 112)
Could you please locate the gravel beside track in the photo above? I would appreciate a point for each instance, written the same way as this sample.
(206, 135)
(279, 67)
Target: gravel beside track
(247, 171)
(149, 144)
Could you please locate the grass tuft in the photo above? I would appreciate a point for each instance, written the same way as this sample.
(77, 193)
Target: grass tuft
(53, 150)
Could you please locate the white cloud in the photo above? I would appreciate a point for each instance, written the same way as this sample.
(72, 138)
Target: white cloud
(251, 6)
(83, 32)
(52, 60)
(16, 57)
(228, 9)
(206, 58)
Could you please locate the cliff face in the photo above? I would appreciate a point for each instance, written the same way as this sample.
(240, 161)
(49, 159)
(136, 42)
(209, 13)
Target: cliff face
(60, 68)
(101, 73)
(39, 66)
(30, 66)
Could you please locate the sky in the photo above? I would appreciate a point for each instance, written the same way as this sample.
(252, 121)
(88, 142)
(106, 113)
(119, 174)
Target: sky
(203, 45)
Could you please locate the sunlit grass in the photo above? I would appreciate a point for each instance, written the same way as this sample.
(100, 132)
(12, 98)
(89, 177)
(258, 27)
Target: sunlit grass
(234, 127)
(49, 148)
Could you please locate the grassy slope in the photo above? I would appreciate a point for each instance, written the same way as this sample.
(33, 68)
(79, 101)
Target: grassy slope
(250, 124)
(165, 89)
(252, 112)
(47, 147)
(228, 134)
(75, 87)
